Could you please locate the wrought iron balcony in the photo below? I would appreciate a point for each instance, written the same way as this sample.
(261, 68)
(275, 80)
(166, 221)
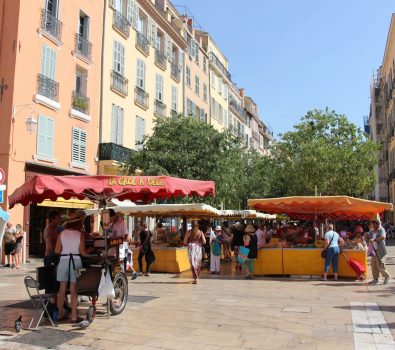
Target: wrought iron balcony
(112, 151)
(141, 97)
(83, 46)
(121, 24)
(80, 102)
(160, 59)
(173, 113)
(160, 109)
(214, 59)
(142, 43)
(238, 110)
(119, 83)
(175, 72)
(47, 87)
(51, 24)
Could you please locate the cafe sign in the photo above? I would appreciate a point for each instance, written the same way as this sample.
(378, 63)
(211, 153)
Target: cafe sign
(135, 181)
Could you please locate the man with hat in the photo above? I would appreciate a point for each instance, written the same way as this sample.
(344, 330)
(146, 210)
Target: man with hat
(215, 251)
(250, 242)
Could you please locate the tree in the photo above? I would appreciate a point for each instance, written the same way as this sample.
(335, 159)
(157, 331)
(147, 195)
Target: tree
(188, 148)
(327, 151)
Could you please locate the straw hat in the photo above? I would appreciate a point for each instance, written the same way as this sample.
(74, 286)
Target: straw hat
(218, 228)
(250, 229)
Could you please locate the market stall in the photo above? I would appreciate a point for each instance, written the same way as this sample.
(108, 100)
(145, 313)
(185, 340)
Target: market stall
(245, 214)
(305, 259)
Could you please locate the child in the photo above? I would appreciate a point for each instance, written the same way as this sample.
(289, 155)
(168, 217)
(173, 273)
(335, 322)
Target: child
(215, 250)
(126, 258)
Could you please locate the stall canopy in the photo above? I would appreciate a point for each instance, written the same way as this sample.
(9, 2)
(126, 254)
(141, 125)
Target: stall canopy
(102, 188)
(336, 207)
(245, 214)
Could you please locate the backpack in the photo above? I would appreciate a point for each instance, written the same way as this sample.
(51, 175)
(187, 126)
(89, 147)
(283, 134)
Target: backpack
(216, 248)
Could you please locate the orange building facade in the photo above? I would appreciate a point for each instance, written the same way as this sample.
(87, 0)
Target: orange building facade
(50, 74)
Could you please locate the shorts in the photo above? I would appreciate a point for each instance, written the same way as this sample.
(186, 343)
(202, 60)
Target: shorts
(63, 275)
(9, 248)
(18, 248)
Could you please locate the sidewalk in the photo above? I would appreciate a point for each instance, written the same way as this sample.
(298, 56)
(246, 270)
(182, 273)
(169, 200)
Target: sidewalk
(167, 312)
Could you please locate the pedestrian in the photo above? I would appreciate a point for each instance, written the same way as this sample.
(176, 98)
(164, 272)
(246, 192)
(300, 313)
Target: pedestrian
(145, 249)
(118, 228)
(70, 246)
(261, 234)
(332, 241)
(237, 242)
(377, 237)
(51, 233)
(227, 239)
(215, 250)
(9, 244)
(18, 246)
(195, 239)
(250, 241)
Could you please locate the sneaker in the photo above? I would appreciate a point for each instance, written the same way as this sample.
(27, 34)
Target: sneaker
(373, 282)
(386, 280)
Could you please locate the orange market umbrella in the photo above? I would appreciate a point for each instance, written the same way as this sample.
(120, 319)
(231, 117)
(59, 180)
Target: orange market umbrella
(306, 207)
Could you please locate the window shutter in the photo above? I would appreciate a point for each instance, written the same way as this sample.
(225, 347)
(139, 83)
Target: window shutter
(50, 137)
(143, 74)
(78, 146)
(120, 126)
(45, 61)
(151, 31)
(180, 60)
(202, 115)
(140, 74)
(52, 64)
(82, 146)
(114, 120)
(122, 58)
(174, 98)
(41, 135)
(48, 64)
(169, 45)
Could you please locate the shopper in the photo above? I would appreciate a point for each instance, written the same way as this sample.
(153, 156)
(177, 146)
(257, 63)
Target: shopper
(51, 233)
(18, 246)
(261, 234)
(215, 251)
(250, 241)
(9, 244)
(332, 241)
(377, 237)
(145, 249)
(227, 239)
(195, 239)
(237, 241)
(118, 228)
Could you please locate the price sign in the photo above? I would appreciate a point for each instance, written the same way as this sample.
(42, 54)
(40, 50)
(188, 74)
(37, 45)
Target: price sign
(2, 176)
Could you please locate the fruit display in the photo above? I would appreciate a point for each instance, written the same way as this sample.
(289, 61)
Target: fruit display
(319, 243)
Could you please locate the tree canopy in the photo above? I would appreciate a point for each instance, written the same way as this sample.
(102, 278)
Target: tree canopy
(188, 148)
(327, 151)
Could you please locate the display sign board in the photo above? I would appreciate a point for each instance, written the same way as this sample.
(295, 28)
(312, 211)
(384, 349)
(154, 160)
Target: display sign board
(2, 176)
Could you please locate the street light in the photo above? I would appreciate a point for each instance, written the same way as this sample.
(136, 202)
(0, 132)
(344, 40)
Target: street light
(31, 123)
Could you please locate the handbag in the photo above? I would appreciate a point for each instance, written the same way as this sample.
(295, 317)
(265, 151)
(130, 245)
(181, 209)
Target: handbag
(324, 252)
(151, 257)
(106, 287)
(243, 255)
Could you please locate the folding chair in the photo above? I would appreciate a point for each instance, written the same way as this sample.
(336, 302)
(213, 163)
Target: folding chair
(40, 301)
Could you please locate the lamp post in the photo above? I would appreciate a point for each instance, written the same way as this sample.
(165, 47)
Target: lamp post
(31, 123)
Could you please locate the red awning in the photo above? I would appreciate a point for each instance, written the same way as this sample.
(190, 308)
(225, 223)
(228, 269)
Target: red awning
(101, 188)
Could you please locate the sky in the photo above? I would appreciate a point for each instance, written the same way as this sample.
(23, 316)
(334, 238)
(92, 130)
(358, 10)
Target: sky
(292, 56)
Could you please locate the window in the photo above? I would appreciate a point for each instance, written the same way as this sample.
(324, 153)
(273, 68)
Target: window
(196, 53)
(48, 63)
(220, 113)
(159, 87)
(81, 80)
(196, 113)
(197, 85)
(78, 152)
(212, 106)
(132, 12)
(212, 79)
(83, 25)
(220, 86)
(204, 92)
(45, 136)
(202, 115)
(226, 91)
(225, 117)
(204, 64)
(188, 76)
(174, 98)
(217, 110)
(140, 132)
(118, 57)
(52, 7)
(140, 74)
(117, 125)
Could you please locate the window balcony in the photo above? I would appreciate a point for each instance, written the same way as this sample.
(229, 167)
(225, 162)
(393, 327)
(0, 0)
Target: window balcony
(51, 25)
(119, 83)
(173, 113)
(160, 109)
(142, 43)
(160, 59)
(175, 72)
(214, 59)
(83, 47)
(80, 102)
(141, 97)
(47, 87)
(121, 24)
(237, 109)
(112, 151)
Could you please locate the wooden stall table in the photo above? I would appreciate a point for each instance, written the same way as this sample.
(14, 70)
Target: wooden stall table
(269, 262)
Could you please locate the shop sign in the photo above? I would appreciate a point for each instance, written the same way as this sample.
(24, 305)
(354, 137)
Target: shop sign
(135, 181)
(2, 176)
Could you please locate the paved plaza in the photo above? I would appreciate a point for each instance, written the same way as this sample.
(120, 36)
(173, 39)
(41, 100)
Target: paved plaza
(222, 312)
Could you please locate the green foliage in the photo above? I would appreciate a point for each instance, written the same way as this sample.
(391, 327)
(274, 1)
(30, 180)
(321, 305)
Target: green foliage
(188, 148)
(327, 151)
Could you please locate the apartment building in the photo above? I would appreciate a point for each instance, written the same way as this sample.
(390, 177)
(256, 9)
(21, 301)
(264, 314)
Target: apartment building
(50, 59)
(381, 122)
(143, 57)
(239, 121)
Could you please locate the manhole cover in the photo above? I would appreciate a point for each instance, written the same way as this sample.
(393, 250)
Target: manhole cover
(141, 299)
(46, 337)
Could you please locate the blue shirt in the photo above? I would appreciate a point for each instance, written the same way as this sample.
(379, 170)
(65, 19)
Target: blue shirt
(335, 241)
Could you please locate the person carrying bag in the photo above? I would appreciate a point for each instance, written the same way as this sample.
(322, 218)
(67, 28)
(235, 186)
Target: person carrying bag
(331, 251)
(145, 250)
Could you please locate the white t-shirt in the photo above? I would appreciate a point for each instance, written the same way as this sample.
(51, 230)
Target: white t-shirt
(119, 229)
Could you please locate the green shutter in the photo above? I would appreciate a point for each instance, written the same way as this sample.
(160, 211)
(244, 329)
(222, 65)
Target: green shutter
(78, 146)
(45, 137)
(48, 63)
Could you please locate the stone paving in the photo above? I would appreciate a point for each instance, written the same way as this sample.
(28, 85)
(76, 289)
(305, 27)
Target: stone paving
(222, 312)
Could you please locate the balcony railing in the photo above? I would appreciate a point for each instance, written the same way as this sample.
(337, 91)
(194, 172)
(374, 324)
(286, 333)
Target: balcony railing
(214, 59)
(47, 87)
(80, 102)
(160, 59)
(83, 46)
(119, 83)
(160, 109)
(255, 135)
(173, 113)
(120, 23)
(51, 24)
(141, 97)
(238, 109)
(175, 72)
(142, 43)
(112, 151)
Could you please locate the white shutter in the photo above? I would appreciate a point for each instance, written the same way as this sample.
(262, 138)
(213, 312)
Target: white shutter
(120, 126)
(180, 60)
(114, 120)
(150, 30)
(226, 91)
(174, 98)
(159, 87)
(78, 146)
(41, 136)
(118, 57)
(140, 74)
(83, 146)
(140, 131)
(225, 117)
(48, 63)
(196, 52)
(168, 51)
(202, 115)
(50, 137)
